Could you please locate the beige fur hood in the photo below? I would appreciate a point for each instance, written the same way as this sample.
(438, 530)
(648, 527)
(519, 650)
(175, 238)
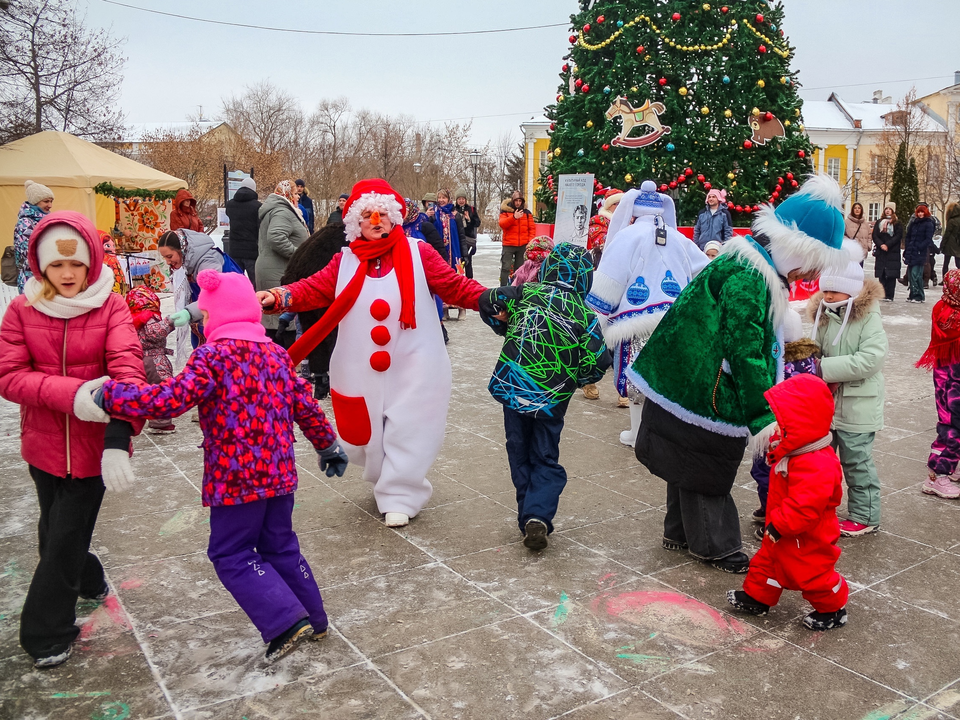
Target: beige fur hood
(864, 302)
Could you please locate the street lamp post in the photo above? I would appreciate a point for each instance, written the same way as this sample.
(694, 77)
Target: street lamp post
(475, 156)
(417, 167)
(856, 183)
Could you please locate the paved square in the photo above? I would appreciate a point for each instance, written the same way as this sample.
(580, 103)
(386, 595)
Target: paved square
(452, 617)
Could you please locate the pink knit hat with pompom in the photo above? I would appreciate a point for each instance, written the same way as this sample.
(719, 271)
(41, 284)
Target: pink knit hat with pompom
(231, 302)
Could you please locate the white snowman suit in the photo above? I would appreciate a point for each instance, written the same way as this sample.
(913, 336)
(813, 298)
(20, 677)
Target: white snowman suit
(391, 420)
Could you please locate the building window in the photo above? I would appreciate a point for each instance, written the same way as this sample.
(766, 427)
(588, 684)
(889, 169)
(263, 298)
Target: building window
(833, 168)
(933, 169)
(873, 211)
(543, 159)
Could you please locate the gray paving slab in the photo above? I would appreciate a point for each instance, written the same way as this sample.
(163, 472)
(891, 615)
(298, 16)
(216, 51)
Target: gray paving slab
(451, 617)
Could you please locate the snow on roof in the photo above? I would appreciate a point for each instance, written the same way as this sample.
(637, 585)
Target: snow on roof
(824, 115)
(837, 114)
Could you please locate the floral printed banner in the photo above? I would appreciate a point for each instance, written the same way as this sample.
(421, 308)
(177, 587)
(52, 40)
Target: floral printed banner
(141, 223)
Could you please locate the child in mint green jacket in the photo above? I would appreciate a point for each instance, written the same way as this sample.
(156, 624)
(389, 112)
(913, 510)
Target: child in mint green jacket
(848, 328)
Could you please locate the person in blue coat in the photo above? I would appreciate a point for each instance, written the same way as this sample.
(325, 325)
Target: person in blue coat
(916, 247)
(713, 222)
(306, 205)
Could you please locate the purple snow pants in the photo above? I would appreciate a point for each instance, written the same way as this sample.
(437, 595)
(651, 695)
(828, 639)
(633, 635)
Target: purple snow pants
(257, 557)
(945, 450)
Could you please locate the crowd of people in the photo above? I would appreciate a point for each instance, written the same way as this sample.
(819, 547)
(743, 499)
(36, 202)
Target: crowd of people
(705, 349)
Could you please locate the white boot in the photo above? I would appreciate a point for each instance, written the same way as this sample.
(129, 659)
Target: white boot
(393, 519)
(629, 437)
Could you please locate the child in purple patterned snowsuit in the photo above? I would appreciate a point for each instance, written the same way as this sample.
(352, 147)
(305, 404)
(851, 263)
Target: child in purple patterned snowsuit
(800, 357)
(249, 396)
(943, 357)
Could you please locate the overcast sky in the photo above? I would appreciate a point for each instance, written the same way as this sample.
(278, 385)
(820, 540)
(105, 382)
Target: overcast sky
(849, 46)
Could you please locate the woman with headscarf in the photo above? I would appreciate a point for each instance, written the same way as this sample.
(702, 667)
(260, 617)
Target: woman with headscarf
(449, 225)
(887, 237)
(34, 209)
(282, 231)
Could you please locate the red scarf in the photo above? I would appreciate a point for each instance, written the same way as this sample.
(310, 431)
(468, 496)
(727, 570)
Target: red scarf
(397, 244)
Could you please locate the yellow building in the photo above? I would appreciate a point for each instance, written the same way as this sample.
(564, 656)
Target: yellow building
(536, 144)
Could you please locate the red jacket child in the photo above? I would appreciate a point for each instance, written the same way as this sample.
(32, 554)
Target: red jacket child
(799, 550)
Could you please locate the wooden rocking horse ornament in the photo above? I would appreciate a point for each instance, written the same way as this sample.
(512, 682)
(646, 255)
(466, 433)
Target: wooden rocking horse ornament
(647, 114)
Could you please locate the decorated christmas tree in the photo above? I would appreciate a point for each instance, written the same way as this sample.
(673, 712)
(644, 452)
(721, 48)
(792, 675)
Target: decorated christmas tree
(692, 95)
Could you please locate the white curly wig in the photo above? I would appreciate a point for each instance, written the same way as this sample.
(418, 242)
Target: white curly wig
(386, 204)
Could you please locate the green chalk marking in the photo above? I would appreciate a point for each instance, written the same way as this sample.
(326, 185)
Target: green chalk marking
(643, 659)
(10, 569)
(563, 609)
(59, 696)
(112, 711)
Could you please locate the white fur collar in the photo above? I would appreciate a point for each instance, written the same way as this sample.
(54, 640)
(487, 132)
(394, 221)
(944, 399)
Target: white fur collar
(743, 250)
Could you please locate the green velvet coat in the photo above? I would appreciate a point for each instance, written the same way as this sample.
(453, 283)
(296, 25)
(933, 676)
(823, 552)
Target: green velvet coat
(717, 351)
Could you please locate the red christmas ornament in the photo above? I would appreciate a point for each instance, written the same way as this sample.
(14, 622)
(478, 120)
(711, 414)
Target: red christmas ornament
(565, 68)
(775, 195)
(579, 82)
(747, 144)
(730, 206)
(707, 186)
(768, 116)
(682, 179)
(676, 17)
(700, 178)
(601, 19)
(779, 181)
(756, 208)
(762, 49)
(573, 39)
(724, 9)
(778, 188)
(585, 88)
(553, 126)
(586, 28)
(664, 187)
(759, 18)
(739, 208)
(673, 184)
(663, 81)
(640, 49)
(789, 176)
(688, 172)
(802, 154)
(794, 183)
(605, 147)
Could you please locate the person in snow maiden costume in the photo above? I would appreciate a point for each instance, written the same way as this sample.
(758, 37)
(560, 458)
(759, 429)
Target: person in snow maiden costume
(389, 374)
(799, 549)
(57, 342)
(707, 365)
(249, 396)
(645, 266)
(553, 345)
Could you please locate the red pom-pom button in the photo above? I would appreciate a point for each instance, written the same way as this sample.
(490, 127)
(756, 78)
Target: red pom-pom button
(380, 335)
(380, 361)
(380, 310)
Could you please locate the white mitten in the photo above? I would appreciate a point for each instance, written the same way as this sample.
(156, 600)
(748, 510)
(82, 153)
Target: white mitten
(116, 470)
(84, 406)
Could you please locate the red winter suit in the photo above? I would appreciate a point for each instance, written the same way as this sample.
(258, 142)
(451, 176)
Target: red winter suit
(390, 378)
(805, 489)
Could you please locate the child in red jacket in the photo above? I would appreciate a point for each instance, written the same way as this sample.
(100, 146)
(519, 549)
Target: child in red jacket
(799, 550)
(56, 341)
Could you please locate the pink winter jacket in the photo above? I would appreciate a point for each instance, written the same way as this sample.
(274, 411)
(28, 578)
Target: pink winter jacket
(45, 360)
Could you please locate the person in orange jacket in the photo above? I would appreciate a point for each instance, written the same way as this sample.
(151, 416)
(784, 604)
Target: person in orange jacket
(799, 550)
(518, 229)
(184, 213)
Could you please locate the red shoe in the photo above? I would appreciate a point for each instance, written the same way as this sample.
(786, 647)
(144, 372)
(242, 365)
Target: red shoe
(851, 528)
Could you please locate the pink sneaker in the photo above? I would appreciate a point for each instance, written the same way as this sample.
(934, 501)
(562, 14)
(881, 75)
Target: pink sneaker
(941, 486)
(851, 528)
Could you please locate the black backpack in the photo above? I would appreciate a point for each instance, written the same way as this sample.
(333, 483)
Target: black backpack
(8, 267)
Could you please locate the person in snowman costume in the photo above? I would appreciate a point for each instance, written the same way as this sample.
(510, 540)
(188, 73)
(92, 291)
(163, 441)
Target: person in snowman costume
(389, 374)
(646, 263)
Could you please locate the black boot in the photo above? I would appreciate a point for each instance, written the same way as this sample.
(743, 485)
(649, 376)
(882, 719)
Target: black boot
(741, 601)
(825, 621)
(321, 386)
(287, 641)
(737, 564)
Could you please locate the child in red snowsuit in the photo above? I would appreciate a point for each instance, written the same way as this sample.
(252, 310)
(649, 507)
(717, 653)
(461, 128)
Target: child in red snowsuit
(799, 550)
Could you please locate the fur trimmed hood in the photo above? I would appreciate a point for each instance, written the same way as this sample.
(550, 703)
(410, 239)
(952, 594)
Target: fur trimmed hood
(862, 304)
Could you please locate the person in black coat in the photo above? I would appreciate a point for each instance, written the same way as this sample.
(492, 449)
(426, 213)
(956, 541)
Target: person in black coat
(467, 214)
(887, 237)
(917, 242)
(337, 215)
(313, 256)
(243, 211)
(306, 204)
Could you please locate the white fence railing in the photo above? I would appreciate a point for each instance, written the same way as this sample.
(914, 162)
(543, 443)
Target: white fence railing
(7, 294)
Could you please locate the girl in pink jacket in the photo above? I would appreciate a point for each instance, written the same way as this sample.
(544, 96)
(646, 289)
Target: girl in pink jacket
(57, 342)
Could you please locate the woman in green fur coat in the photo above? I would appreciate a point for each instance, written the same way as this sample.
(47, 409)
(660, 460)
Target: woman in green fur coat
(718, 350)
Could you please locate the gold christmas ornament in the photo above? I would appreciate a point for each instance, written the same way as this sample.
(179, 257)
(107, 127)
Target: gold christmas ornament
(589, 123)
(766, 163)
(731, 176)
(786, 123)
(797, 112)
(634, 89)
(646, 58)
(755, 112)
(557, 152)
(761, 83)
(733, 184)
(682, 91)
(706, 7)
(705, 110)
(728, 113)
(801, 127)
(549, 156)
(783, 80)
(628, 177)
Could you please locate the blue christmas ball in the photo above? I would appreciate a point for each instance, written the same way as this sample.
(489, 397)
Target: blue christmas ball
(773, 27)
(580, 152)
(726, 79)
(671, 147)
(619, 23)
(606, 90)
